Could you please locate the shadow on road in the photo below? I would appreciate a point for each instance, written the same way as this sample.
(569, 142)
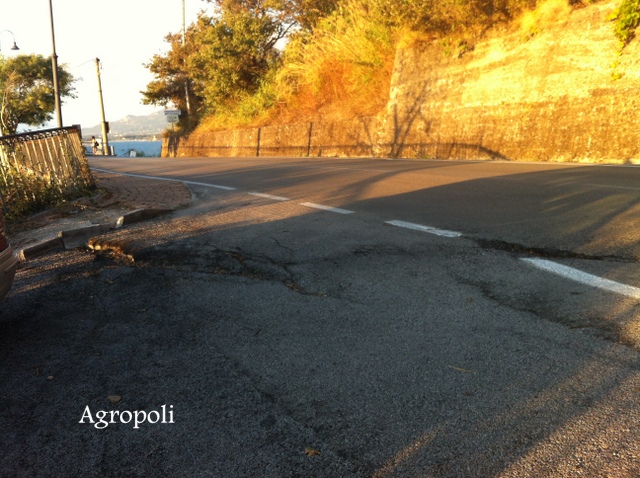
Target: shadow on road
(275, 330)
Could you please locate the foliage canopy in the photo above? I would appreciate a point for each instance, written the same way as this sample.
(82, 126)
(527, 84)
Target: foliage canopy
(627, 19)
(225, 55)
(27, 92)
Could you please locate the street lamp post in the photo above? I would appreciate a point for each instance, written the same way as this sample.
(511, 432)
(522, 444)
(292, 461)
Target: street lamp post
(54, 66)
(15, 46)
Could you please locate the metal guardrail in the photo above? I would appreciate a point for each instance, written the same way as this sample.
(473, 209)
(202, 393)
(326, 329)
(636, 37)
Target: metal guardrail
(41, 168)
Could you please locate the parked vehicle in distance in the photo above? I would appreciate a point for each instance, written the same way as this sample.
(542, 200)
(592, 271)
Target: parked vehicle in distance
(8, 261)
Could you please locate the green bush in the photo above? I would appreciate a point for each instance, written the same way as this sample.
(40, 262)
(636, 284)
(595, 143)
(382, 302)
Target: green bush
(627, 18)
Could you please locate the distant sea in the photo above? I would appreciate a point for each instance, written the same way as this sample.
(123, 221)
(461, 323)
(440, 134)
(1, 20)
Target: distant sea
(147, 149)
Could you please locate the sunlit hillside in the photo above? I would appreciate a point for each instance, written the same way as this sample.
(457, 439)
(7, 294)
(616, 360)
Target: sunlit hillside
(338, 57)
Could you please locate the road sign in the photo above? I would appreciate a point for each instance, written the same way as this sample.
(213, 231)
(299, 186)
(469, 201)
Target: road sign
(172, 115)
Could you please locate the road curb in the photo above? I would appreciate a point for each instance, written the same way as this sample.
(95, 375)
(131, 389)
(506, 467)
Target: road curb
(79, 237)
(143, 214)
(43, 247)
(72, 238)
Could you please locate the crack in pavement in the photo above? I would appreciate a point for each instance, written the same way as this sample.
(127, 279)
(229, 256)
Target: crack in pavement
(547, 252)
(599, 327)
(212, 261)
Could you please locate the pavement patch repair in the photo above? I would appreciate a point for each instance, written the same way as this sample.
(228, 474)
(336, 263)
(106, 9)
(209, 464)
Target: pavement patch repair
(244, 334)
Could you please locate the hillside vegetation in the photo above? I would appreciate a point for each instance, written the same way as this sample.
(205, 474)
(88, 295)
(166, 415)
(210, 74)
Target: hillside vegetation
(233, 71)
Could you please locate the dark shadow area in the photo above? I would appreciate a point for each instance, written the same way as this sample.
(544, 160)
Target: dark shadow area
(588, 210)
(173, 145)
(460, 151)
(278, 332)
(403, 121)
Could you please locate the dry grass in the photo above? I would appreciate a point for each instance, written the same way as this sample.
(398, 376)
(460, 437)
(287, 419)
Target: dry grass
(342, 69)
(546, 12)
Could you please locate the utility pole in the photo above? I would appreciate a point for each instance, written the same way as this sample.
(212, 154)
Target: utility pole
(54, 67)
(186, 82)
(105, 127)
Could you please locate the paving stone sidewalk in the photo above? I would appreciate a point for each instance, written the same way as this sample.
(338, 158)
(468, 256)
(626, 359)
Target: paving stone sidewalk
(116, 196)
(137, 193)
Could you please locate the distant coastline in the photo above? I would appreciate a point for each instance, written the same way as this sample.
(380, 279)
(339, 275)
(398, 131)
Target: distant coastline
(141, 147)
(135, 137)
(131, 128)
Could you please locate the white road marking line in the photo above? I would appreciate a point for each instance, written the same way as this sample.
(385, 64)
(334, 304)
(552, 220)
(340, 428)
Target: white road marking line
(346, 168)
(194, 183)
(584, 278)
(609, 186)
(207, 185)
(326, 208)
(269, 196)
(420, 227)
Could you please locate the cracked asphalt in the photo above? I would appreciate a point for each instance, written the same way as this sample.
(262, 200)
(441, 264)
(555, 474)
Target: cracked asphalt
(293, 343)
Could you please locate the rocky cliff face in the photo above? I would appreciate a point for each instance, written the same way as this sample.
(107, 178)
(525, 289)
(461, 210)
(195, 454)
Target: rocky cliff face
(550, 96)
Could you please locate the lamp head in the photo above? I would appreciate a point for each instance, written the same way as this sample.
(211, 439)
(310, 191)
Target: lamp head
(15, 45)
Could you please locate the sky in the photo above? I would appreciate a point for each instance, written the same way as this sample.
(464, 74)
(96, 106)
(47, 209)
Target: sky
(123, 34)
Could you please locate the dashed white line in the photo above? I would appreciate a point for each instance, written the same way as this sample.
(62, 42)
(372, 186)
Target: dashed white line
(422, 228)
(609, 186)
(208, 185)
(543, 264)
(269, 196)
(584, 278)
(159, 178)
(326, 208)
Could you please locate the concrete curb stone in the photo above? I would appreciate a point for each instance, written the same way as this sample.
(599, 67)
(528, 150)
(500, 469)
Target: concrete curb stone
(43, 247)
(79, 237)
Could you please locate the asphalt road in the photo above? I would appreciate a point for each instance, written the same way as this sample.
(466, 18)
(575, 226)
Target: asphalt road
(593, 210)
(338, 317)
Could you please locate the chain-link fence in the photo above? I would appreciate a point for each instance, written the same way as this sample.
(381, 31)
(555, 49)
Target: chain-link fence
(41, 168)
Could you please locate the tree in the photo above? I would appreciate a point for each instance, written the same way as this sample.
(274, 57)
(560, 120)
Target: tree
(226, 56)
(303, 14)
(26, 91)
(171, 78)
(307, 13)
(236, 51)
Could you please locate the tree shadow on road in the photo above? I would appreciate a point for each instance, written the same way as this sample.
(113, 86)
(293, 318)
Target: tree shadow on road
(393, 356)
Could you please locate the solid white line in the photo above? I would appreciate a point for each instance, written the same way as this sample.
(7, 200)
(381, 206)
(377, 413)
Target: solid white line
(609, 186)
(207, 185)
(194, 183)
(326, 208)
(584, 278)
(420, 227)
(269, 196)
(344, 168)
